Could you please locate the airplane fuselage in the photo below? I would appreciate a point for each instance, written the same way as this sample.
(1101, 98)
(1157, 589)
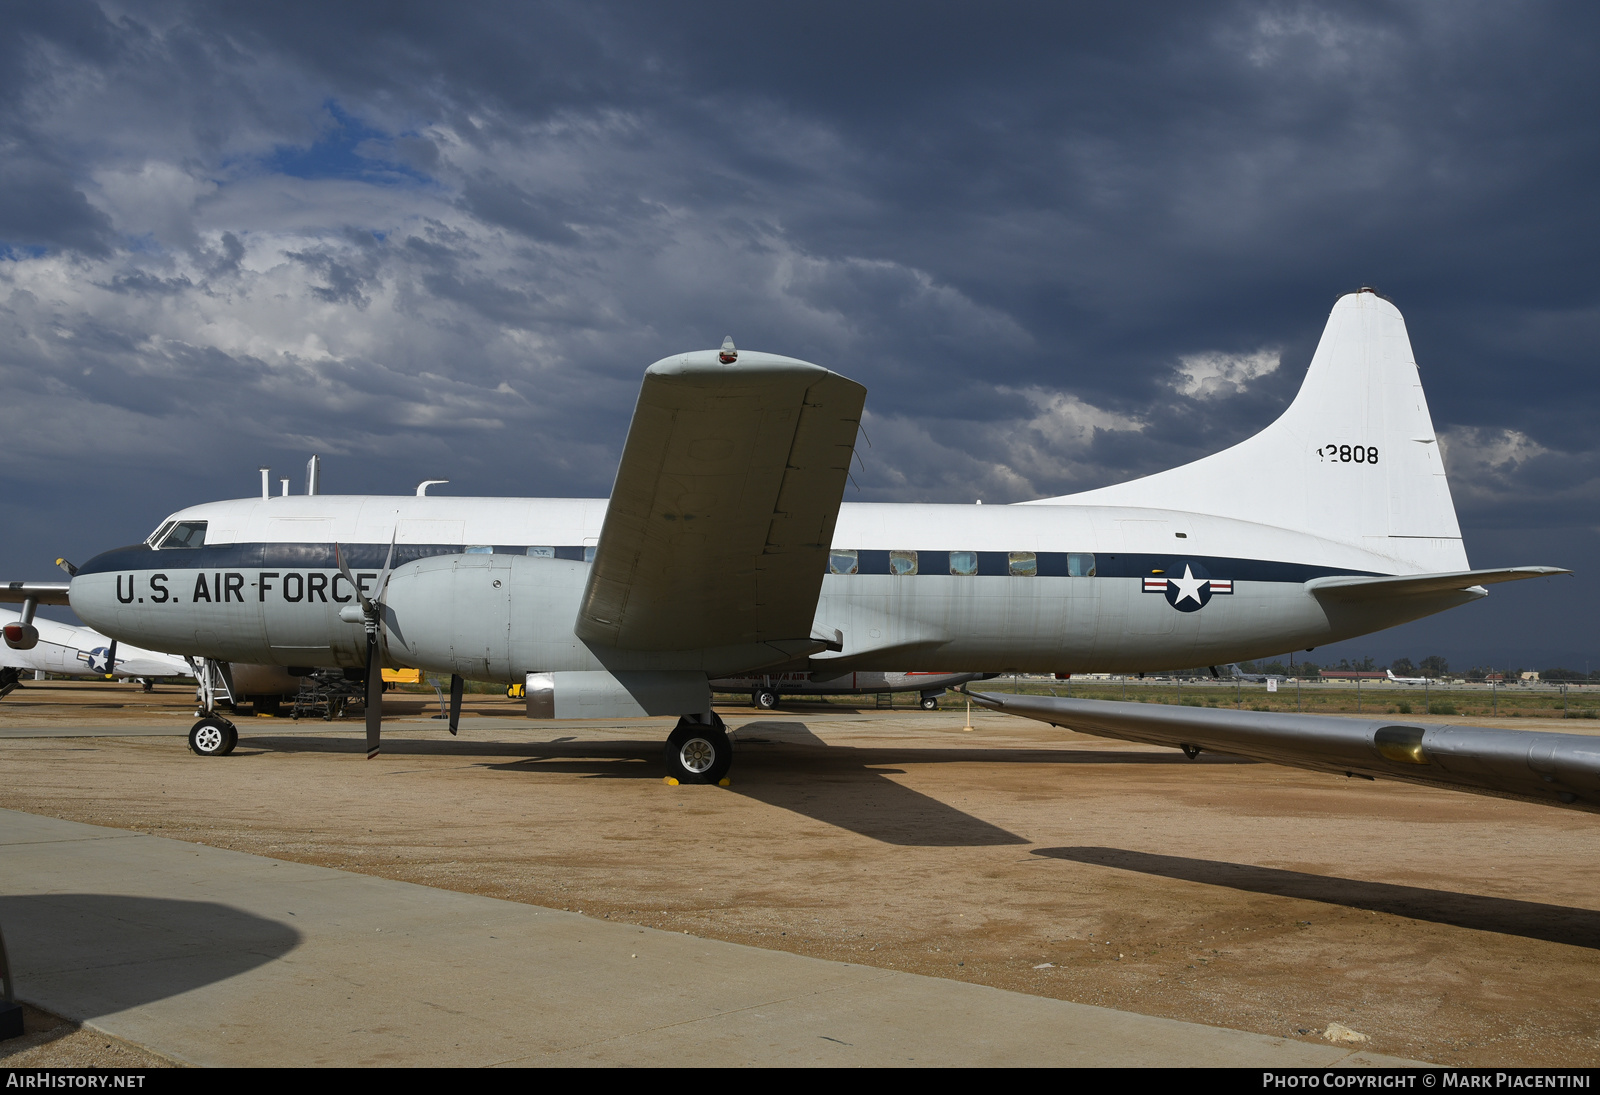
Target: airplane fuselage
(490, 588)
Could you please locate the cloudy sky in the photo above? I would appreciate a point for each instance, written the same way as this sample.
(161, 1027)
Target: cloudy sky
(1062, 245)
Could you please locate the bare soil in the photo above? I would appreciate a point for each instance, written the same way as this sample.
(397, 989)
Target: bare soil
(1447, 927)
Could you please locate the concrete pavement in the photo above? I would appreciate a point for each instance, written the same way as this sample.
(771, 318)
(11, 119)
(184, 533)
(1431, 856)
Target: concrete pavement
(215, 957)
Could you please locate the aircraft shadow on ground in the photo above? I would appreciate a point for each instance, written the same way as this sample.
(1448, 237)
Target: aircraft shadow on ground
(1502, 915)
(780, 763)
(850, 788)
(107, 952)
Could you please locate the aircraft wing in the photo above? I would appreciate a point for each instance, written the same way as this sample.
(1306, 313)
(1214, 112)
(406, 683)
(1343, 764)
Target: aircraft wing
(1530, 765)
(46, 593)
(724, 506)
(1349, 587)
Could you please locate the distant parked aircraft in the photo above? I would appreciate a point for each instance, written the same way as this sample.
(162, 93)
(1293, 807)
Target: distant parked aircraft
(1254, 678)
(77, 652)
(1405, 680)
(767, 691)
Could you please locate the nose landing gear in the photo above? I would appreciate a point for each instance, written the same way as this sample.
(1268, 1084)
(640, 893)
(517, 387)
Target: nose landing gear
(213, 736)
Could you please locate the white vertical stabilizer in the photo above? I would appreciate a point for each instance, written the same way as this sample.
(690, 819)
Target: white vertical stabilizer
(1353, 459)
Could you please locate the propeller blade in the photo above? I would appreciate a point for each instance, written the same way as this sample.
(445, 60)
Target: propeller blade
(111, 658)
(374, 696)
(344, 568)
(383, 578)
(456, 684)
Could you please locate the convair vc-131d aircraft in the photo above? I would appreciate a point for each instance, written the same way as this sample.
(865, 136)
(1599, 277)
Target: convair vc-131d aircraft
(724, 550)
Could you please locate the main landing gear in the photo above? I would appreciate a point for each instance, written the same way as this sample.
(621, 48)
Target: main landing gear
(930, 701)
(764, 698)
(699, 750)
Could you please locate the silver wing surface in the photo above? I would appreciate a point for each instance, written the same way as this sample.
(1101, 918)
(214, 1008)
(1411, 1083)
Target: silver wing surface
(45, 593)
(723, 511)
(1529, 765)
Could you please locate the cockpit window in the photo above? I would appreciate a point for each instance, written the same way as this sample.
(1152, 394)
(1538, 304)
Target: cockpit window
(155, 537)
(185, 534)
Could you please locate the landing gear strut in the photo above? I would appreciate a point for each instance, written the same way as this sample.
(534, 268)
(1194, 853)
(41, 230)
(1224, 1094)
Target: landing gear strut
(699, 751)
(213, 735)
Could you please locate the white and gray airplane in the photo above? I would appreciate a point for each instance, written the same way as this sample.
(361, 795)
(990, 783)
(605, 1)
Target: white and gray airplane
(76, 652)
(724, 550)
(1405, 680)
(768, 689)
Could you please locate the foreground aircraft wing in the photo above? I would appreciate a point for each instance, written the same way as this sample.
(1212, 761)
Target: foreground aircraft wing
(45, 593)
(1530, 765)
(723, 511)
(1351, 587)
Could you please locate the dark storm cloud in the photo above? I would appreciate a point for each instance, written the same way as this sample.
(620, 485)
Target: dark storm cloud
(445, 239)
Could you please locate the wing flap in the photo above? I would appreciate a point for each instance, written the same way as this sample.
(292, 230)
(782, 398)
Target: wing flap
(1528, 765)
(1361, 588)
(719, 525)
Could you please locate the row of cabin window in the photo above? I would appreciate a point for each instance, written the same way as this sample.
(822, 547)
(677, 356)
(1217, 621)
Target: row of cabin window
(1021, 564)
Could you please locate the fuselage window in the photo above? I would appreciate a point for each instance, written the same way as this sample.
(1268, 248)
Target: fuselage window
(155, 537)
(902, 563)
(478, 549)
(186, 534)
(588, 553)
(1080, 564)
(843, 561)
(963, 562)
(542, 552)
(1023, 564)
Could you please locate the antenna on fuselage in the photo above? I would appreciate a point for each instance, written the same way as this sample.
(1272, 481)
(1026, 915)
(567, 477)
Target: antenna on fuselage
(283, 480)
(266, 481)
(422, 487)
(314, 475)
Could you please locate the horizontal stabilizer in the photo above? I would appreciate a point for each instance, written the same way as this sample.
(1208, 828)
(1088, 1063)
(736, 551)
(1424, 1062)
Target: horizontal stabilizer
(719, 525)
(45, 593)
(1349, 587)
(1529, 765)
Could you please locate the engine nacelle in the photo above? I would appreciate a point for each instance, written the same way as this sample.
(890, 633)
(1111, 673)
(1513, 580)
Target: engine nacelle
(485, 617)
(624, 695)
(21, 636)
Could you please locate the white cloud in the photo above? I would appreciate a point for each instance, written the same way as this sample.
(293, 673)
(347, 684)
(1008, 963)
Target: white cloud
(1213, 373)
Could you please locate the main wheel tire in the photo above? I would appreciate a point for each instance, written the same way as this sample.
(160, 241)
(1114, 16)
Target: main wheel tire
(765, 698)
(213, 737)
(699, 752)
(930, 703)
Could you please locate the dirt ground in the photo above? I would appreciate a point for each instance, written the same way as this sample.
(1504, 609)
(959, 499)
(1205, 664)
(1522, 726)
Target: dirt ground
(1447, 927)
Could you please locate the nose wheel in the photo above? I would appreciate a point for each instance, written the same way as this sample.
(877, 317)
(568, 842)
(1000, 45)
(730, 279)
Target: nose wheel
(213, 737)
(699, 752)
(764, 698)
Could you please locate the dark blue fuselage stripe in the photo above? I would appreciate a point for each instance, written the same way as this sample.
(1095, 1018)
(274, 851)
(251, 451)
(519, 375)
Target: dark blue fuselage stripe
(1050, 564)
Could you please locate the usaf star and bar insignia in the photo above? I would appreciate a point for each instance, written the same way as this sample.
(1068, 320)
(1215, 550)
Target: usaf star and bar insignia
(1193, 591)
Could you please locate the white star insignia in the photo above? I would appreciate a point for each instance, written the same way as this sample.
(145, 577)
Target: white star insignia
(1188, 586)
